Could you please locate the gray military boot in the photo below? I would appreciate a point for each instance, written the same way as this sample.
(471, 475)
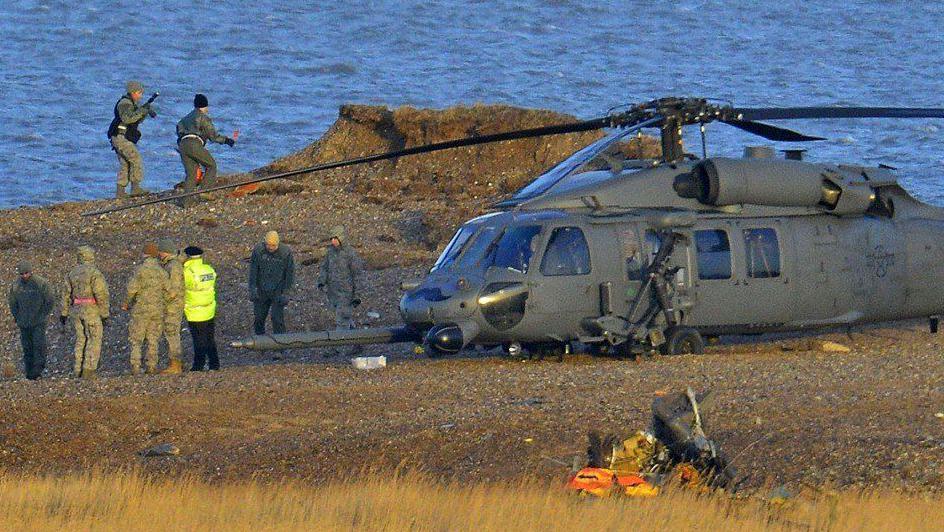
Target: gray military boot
(136, 190)
(120, 193)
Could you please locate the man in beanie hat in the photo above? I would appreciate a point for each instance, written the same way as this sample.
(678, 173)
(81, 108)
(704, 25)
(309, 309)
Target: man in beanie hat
(341, 276)
(85, 298)
(31, 299)
(271, 278)
(200, 308)
(193, 132)
(124, 135)
(145, 299)
(173, 303)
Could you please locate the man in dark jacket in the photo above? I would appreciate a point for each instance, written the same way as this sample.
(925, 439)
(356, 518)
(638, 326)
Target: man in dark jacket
(31, 299)
(193, 132)
(271, 278)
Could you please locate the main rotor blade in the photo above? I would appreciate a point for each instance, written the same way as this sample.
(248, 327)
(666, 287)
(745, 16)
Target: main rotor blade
(771, 132)
(575, 127)
(788, 113)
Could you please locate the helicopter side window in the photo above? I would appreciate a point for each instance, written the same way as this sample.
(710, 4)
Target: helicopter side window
(714, 254)
(514, 249)
(567, 253)
(763, 253)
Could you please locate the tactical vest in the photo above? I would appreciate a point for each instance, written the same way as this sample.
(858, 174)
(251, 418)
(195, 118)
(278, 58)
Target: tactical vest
(130, 132)
(200, 294)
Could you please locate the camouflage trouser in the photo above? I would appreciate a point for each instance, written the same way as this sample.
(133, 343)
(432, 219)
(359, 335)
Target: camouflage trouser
(129, 161)
(343, 314)
(144, 327)
(172, 317)
(88, 337)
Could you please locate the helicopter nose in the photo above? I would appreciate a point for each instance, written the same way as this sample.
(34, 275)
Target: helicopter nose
(430, 305)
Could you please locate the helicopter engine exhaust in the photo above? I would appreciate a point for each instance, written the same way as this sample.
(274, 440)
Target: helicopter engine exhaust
(776, 183)
(450, 338)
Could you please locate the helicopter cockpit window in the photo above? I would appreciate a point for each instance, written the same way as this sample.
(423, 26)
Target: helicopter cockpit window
(514, 249)
(714, 254)
(567, 253)
(763, 253)
(455, 247)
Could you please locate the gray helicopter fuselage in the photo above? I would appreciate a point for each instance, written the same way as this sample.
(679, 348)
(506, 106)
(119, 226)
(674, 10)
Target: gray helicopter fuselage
(558, 262)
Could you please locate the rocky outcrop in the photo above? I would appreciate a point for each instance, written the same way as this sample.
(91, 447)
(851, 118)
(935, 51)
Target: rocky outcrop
(476, 172)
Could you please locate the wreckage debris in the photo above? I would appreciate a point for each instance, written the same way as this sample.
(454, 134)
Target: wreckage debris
(674, 450)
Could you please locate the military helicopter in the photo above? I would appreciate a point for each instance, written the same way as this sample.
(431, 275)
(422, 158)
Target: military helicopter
(659, 254)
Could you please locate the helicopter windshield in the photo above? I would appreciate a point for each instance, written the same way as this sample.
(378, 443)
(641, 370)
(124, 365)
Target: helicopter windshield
(514, 249)
(569, 166)
(455, 247)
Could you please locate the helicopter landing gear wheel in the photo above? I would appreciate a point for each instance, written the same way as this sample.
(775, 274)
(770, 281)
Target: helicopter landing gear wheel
(682, 341)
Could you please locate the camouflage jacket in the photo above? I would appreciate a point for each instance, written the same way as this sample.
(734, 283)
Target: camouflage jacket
(174, 295)
(147, 288)
(341, 273)
(30, 301)
(85, 285)
(131, 113)
(199, 124)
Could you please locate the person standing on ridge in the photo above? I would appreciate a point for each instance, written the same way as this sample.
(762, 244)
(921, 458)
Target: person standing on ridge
(31, 299)
(271, 278)
(123, 133)
(85, 298)
(193, 132)
(200, 308)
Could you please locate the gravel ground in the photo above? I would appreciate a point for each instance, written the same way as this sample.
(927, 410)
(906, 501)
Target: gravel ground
(784, 412)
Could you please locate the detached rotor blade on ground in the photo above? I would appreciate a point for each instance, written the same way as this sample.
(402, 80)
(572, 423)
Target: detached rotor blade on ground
(575, 127)
(771, 132)
(790, 113)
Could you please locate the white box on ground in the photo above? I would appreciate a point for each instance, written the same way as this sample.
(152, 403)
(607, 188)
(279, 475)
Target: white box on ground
(369, 362)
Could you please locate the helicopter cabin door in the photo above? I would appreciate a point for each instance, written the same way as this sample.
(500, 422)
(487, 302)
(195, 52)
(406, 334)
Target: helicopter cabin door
(763, 256)
(564, 287)
(742, 283)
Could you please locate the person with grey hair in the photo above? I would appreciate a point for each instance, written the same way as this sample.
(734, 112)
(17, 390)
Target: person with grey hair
(31, 300)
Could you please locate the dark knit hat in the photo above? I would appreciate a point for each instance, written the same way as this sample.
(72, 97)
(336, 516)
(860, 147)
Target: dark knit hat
(200, 101)
(193, 251)
(24, 267)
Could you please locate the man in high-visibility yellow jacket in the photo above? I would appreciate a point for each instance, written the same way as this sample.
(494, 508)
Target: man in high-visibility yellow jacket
(200, 308)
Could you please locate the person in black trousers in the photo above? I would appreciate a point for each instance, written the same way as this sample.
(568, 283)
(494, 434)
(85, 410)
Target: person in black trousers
(200, 308)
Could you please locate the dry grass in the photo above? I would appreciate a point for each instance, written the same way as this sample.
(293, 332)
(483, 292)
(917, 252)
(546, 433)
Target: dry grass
(130, 501)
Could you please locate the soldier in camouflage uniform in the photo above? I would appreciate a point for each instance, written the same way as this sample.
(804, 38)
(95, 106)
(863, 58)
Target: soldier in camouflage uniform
(85, 298)
(193, 132)
(173, 303)
(340, 276)
(146, 300)
(124, 134)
